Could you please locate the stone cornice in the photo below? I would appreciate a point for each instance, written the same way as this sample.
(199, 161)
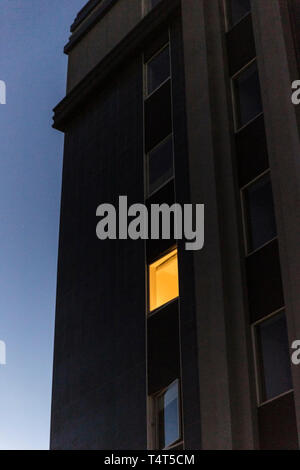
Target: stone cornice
(133, 42)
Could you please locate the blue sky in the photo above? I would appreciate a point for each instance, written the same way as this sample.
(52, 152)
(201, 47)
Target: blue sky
(32, 63)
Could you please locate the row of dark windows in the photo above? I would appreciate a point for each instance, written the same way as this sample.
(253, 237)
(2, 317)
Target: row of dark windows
(265, 292)
(158, 120)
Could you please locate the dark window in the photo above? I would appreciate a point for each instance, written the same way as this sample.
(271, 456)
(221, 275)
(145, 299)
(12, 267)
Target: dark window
(163, 353)
(277, 424)
(158, 70)
(259, 213)
(155, 44)
(160, 165)
(154, 3)
(165, 195)
(168, 426)
(264, 283)
(252, 151)
(240, 45)
(158, 116)
(248, 103)
(236, 10)
(273, 357)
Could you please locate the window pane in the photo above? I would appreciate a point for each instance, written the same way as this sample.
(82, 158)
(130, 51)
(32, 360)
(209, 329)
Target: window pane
(260, 217)
(168, 417)
(247, 95)
(273, 351)
(158, 70)
(163, 278)
(236, 10)
(160, 165)
(158, 116)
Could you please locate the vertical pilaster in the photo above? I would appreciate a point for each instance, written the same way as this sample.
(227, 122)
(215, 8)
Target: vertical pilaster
(277, 65)
(226, 398)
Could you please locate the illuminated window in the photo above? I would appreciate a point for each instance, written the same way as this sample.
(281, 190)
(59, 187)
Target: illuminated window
(163, 280)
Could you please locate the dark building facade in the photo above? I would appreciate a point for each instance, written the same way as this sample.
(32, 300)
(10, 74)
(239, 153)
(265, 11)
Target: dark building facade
(156, 346)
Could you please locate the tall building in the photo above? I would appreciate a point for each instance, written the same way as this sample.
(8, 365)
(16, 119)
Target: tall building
(156, 346)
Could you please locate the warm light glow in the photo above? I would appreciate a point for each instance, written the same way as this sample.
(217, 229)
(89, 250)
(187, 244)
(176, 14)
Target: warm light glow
(163, 280)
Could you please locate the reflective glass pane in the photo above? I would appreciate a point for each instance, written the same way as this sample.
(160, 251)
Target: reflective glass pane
(236, 9)
(160, 165)
(168, 416)
(273, 356)
(247, 95)
(158, 70)
(259, 213)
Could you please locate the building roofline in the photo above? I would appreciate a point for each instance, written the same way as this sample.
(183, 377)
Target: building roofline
(134, 41)
(83, 13)
(90, 20)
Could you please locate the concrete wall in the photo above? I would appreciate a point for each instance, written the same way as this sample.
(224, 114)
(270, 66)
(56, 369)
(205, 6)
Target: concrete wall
(225, 376)
(278, 67)
(102, 38)
(99, 378)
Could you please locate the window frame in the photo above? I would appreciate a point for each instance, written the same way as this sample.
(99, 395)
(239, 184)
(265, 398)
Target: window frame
(228, 24)
(238, 128)
(159, 51)
(245, 223)
(258, 361)
(154, 421)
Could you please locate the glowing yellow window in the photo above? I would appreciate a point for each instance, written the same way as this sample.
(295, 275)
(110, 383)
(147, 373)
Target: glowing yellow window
(163, 280)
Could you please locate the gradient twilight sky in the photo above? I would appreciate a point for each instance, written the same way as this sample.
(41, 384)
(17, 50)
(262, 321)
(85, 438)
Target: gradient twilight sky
(32, 63)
